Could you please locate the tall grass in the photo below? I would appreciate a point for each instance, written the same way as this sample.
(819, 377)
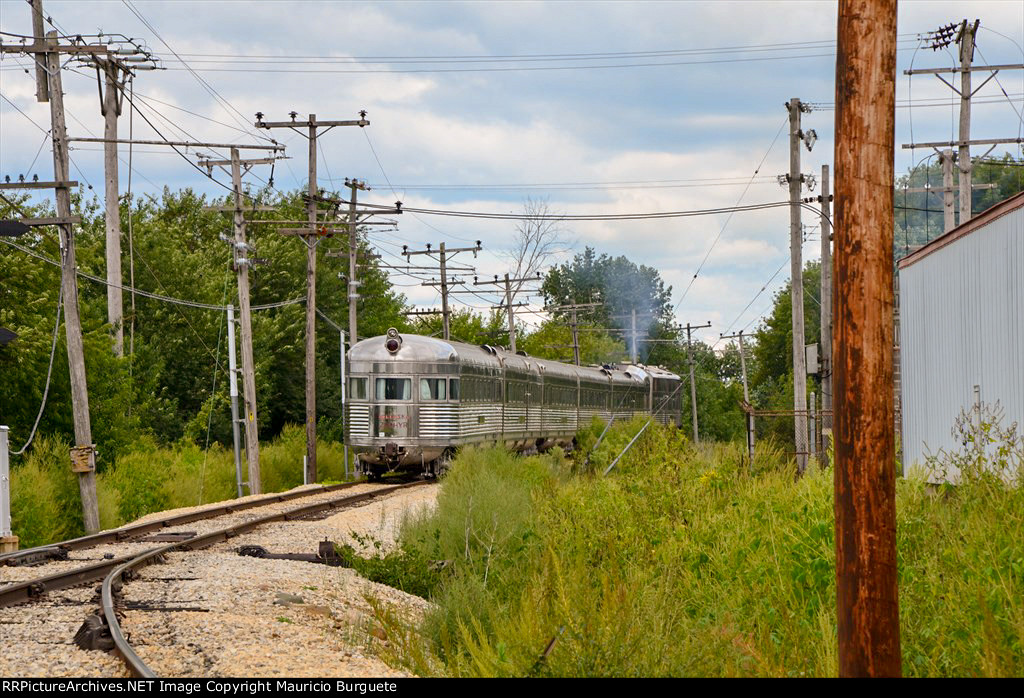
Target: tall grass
(45, 501)
(682, 563)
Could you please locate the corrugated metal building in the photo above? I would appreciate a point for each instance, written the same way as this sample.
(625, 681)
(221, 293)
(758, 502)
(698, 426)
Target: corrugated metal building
(962, 327)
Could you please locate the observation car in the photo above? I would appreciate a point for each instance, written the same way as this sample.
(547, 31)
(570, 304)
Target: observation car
(413, 400)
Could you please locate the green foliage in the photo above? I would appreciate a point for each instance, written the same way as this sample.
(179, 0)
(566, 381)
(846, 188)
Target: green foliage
(682, 563)
(465, 326)
(45, 503)
(406, 568)
(553, 340)
(174, 384)
(45, 499)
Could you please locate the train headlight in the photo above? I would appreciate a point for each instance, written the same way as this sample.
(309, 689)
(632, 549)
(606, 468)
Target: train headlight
(394, 341)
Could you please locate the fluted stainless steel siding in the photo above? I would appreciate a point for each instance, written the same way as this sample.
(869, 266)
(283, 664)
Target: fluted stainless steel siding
(962, 325)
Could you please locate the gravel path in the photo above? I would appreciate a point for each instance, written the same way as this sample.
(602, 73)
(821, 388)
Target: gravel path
(252, 617)
(271, 618)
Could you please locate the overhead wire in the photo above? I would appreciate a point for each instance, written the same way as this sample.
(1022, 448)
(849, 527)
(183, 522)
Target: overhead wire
(49, 372)
(149, 294)
(206, 85)
(725, 224)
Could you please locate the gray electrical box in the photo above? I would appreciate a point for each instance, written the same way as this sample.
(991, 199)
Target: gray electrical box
(811, 355)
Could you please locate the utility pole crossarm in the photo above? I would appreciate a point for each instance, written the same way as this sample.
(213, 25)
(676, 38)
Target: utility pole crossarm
(963, 143)
(39, 185)
(444, 254)
(972, 68)
(313, 124)
(181, 144)
(312, 121)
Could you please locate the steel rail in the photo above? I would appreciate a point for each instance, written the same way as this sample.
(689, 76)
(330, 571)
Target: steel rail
(21, 592)
(116, 578)
(118, 535)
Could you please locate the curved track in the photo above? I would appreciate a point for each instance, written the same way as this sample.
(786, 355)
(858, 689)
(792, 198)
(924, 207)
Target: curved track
(126, 569)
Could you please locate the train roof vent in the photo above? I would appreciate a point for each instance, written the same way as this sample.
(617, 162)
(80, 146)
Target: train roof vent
(489, 349)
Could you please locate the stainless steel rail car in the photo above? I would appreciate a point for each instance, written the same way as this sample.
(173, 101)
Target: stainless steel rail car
(413, 400)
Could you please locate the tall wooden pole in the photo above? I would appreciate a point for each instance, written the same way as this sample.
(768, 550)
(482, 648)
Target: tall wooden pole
(69, 287)
(865, 469)
(511, 315)
(445, 323)
(966, 57)
(574, 327)
(354, 186)
(311, 240)
(242, 256)
(693, 380)
(826, 312)
(746, 393)
(948, 210)
(42, 84)
(111, 110)
(796, 240)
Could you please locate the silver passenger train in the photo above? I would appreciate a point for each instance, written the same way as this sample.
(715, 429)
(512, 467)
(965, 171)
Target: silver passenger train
(413, 400)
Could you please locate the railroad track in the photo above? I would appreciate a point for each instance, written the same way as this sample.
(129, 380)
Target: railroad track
(118, 571)
(130, 568)
(58, 551)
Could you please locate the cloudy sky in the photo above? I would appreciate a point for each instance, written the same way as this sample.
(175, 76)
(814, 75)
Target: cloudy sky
(593, 107)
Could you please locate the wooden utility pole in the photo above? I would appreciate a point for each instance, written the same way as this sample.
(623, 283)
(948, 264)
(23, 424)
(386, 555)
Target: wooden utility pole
(242, 253)
(796, 238)
(311, 239)
(746, 392)
(948, 212)
(825, 359)
(42, 83)
(947, 159)
(511, 314)
(111, 109)
(965, 36)
(242, 257)
(633, 353)
(444, 256)
(573, 309)
(47, 53)
(354, 186)
(865, 469)
(693, 380)
(508, 304)
(84, 454)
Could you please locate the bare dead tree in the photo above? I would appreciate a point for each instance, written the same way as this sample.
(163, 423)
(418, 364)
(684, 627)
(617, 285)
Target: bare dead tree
(540, 235)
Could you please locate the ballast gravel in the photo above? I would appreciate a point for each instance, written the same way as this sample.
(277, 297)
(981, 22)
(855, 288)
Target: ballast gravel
(232, 615)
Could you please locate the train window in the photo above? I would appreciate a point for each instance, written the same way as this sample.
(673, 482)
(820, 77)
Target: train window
(357, 388)
(453, 392)
(394, 388)
(433, 388)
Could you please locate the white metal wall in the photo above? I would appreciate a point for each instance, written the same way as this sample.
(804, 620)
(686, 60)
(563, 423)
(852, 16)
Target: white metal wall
(962, 325)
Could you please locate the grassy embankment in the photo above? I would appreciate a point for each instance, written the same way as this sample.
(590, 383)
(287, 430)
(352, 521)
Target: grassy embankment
(682, 563)
(44, 492)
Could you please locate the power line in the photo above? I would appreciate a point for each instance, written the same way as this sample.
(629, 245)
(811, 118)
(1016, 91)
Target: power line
(49, 372)
(149, 294)
(729, 218)
(594, 216)
(207, 86)
(478, 58)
